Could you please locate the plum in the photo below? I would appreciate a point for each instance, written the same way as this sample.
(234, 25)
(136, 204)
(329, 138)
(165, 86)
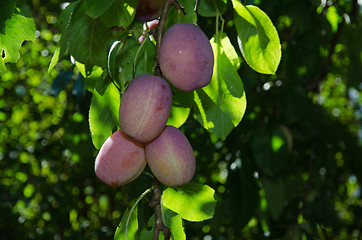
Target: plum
(120, 160)
(186, 57)
(171, 157)
(148, 10)
(145, 107)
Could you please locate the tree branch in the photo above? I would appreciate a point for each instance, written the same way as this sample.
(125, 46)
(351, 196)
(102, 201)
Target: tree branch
(157, 191)
(156, 204)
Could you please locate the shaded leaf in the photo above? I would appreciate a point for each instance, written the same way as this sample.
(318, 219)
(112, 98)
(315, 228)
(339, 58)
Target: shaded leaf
(275, 195)
(65, 21)
(95, 8)
(6, 11)
(270, 149)
(120, 14)
(210, 8)
(90, 40)
(175, 17)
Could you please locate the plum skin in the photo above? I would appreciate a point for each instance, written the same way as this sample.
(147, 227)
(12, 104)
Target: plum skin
(171, 157)
(148, 10)
(145, 107)
(120, 160)
(186, 57)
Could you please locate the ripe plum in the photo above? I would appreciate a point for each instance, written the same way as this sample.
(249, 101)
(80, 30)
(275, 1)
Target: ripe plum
(120, 160)
(145, 107)
(171, 157)
(186, 57)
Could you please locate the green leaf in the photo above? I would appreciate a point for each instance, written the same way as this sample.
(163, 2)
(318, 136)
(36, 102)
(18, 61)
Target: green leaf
(127, 54)
(19, 28)
(147, 233)
(220, 106)
(6, 11)
(274, 194)
(178, 116)
(175, 17)
(66, 15)
(171, 220)
(257, 37)
(95, 8)
(270, 149)
(210, 8)
(94, 80)
(193, 202)
(54, 60)
(241, 201)
(174, 222)
(114, 51)
(89, 40)
(230, 52)
(65, 20)
(121, 14)
(181, 107)
(103, 114)
(127, 228)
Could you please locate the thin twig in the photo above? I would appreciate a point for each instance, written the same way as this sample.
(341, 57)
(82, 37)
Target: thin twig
(157, 191)
(160, 30)
(156, 204)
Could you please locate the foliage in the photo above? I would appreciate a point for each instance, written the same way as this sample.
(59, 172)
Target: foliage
(284, 165)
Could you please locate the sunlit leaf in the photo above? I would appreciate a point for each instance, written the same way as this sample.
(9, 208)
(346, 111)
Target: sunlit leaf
(19, 28)
(127, 229)
(193, 202)
(220, 106)
(257, 37)
(178, 116)
(174, 222)
(103, 114)
(54, 60)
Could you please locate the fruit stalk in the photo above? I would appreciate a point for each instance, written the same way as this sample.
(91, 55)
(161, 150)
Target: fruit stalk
(160, 31)
(156, 204)
(157, 191)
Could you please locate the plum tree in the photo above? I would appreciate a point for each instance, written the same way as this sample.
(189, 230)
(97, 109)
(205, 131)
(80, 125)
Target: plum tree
(145, 107)
(120, 160)
(171, 157)
(148, 10)
(186, 57)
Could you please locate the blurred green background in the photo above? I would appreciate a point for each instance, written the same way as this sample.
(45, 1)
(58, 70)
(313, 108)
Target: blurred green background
(292, 169)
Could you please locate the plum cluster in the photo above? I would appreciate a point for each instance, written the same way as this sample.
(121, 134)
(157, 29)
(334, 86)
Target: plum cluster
(186, 61)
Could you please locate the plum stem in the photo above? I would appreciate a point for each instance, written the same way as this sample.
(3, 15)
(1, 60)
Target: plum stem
(156, 204)
(160, 30)
(157, 191)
